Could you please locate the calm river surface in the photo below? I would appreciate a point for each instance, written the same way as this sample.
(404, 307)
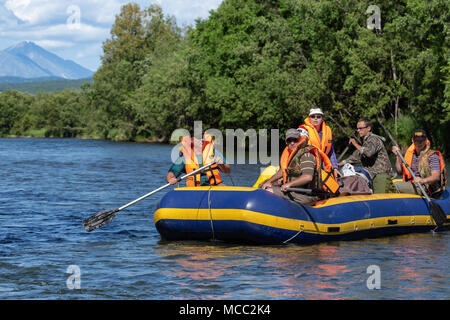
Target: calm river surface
(48, 186)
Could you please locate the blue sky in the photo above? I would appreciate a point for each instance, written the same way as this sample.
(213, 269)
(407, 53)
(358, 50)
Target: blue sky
(75, 29)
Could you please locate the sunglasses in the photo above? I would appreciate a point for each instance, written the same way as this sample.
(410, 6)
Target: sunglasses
(316, 116)
(291, 140)
(357, 129)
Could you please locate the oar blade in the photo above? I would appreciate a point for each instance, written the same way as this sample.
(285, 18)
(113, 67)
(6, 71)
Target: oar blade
(99, 219)
(438, 214)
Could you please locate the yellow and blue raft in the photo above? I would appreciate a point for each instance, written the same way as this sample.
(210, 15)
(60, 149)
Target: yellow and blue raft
(251, 215)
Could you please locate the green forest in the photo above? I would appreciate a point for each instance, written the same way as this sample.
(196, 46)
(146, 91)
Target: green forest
(256, 64)
(45, 86)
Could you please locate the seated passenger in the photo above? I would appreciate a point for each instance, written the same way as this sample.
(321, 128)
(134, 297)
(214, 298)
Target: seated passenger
(427, 165)
(194, 154)
(373, 157)
(301, 166)
(320, 136)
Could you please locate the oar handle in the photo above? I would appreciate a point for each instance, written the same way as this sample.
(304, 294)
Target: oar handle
(343, 153)
(165, 186)
(307, 191)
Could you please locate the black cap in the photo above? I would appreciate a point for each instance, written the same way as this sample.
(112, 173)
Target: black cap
(419, 135)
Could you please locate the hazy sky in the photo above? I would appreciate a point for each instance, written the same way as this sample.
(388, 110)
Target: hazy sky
(75, 29)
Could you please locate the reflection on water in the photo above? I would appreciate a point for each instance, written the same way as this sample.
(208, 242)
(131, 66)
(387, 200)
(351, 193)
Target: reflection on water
(49, 186)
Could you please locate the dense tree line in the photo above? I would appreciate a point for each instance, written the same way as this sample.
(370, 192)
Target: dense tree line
(257, 64)
(46, 86)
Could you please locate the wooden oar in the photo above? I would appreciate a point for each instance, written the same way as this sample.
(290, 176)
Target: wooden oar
(345, 132)
(103, 217)
(436, 211)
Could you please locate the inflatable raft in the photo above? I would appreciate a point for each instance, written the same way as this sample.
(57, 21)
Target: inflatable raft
(251, 215)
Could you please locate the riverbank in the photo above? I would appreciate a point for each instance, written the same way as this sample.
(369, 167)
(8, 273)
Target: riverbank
(119, 138)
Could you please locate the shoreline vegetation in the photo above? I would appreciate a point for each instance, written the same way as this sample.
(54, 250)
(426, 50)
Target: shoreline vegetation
(43, 136)
(255, 64)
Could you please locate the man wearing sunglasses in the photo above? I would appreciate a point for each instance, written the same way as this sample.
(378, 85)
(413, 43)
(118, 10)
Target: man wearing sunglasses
(320, 136)
(373, 157)
(301, 166)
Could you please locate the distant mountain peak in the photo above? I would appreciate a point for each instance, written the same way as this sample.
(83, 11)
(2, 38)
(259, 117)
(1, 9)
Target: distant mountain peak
(32, 61)
(23, 45)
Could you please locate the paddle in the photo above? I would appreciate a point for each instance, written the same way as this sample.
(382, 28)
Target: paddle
(436, 211)
(345, 132)
(309, 192)
(103, 217)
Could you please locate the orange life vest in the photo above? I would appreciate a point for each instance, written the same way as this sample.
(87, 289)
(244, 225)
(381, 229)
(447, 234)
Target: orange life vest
(191, 162)
(408, 158)
(325, 144)
(326, 179)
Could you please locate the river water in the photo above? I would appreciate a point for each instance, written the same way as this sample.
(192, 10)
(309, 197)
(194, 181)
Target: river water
(48, 186)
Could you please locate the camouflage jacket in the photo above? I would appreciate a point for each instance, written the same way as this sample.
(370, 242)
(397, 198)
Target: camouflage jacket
(373, 156)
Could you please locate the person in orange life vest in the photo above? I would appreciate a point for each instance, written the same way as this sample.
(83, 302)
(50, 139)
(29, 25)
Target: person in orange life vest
(300, 165)
(194, 154)
(427, 165)
(320, 136)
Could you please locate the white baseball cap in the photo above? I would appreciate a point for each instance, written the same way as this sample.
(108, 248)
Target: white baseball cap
(315, 111)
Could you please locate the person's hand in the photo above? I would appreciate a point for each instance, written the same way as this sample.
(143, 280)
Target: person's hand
(265, 185)
(337, 173)
(218, 160)
(395, 149)
(418, 180)
(285, 186)
(173, 180)
(352, 141)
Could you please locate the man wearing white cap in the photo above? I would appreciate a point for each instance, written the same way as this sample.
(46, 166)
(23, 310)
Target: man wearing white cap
(320, 136)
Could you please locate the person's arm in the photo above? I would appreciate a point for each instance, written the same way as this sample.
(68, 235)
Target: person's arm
(307, 163)
(332, 156)
(175, 170)
(304, 179)
(398, 160)
(221, 162)
(355, 144)
(435, 177)
(371, 147)
(334, 161)
(171, 178)
(268, 183)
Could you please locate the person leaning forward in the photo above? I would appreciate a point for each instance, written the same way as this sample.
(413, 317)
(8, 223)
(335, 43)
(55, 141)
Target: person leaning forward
(301, 166)
(427, 165)
(373, 157)
(193, 154)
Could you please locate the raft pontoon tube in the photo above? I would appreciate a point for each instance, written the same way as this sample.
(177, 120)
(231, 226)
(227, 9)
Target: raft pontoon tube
(239, 214)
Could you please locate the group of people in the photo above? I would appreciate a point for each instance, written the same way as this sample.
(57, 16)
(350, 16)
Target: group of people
(309, 163)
